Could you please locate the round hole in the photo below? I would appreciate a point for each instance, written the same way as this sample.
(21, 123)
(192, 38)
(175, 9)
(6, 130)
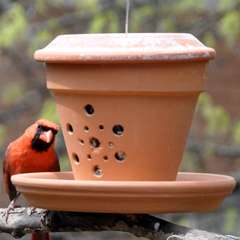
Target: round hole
(86, 128)
(120, 156)
(118, 129)
(97, 171)
(75, 157)
(69, 128)
(81, 141)
(105, 157)
(89, 156)
(110, 144)
(101, 127)
(94, 142)
(89, 109)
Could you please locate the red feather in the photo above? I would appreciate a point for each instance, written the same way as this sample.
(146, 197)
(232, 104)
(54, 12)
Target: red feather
(21, 157)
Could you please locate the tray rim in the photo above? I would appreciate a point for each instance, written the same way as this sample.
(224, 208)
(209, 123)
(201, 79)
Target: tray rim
(216, 185)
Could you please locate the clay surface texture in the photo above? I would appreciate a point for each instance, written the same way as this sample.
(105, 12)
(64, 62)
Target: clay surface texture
(131, 47)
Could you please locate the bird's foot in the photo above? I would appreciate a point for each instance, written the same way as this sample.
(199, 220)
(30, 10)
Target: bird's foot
(30, 211)
(10, 208)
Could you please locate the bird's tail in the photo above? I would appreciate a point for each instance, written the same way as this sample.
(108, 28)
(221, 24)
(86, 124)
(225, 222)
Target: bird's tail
(38, 235)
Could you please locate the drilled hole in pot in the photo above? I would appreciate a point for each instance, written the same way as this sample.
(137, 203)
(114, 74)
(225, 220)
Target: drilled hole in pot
(86, 128)
(81, 141)
(101, 127)
(75, 157)
(120, 156)
(97, 171)
(110, 144)
(105, 157)
(89, 157)
(69, 128)
(94, 142)
(89, 110)
(118, 129)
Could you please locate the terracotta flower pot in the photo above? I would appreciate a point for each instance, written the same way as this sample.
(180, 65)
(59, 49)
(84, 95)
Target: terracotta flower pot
(125, 101)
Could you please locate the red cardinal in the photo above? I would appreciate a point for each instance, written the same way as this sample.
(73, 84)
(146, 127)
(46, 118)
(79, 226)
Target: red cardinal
(32, 152)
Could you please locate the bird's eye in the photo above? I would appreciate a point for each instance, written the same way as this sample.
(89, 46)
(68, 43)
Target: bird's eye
(43, 128)
(54, 131)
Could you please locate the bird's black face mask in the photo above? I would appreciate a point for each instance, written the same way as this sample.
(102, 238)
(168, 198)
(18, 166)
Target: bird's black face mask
(43, 138)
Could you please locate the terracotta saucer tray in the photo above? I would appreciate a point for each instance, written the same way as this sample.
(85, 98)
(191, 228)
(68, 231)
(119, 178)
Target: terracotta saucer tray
(191, 192)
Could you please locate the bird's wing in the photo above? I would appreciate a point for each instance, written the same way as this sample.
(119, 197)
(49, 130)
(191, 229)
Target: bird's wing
(8, 186)
(56, 166)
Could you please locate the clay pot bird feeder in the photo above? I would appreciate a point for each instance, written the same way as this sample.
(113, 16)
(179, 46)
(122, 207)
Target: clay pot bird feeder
(126, 103)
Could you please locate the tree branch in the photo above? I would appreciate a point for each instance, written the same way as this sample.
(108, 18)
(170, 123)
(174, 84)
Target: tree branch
(21, 222)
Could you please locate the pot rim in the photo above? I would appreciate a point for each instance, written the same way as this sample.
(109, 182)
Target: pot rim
(122, 48)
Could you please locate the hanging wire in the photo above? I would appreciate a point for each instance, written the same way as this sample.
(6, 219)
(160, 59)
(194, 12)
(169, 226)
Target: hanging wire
(127, 15)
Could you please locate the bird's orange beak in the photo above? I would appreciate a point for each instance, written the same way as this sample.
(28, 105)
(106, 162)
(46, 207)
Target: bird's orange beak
(46, 136)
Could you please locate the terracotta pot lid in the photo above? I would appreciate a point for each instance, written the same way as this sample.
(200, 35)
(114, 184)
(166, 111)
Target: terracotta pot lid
(119, 47)
(192, 192)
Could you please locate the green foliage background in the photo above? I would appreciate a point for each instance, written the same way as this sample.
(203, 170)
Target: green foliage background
(29, 25)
